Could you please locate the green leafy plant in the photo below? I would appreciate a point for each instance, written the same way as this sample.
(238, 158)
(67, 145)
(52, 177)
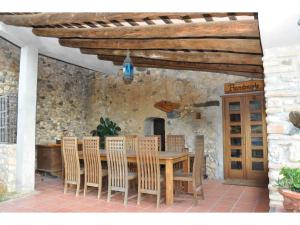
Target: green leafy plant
(290, 179)
(105, 128)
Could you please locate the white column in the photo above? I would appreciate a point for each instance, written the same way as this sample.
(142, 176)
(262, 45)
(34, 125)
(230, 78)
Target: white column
(26, 119)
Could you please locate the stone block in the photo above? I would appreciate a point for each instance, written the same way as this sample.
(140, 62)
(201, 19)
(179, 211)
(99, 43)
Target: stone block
(282, 93)
(275, 129)
(275, 196)
(279, 128)
(294, 152)
(273, 110)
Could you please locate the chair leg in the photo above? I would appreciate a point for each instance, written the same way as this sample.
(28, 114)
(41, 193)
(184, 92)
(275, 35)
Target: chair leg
(126, 197)
(139, 192)
(84, 185)
(66, 187)
(139, 197)
(202, 193)
(78, 186)
(100, 188)
(158, 200)
(77, 189)
(84, 189)
(195, 197)
(108, 193)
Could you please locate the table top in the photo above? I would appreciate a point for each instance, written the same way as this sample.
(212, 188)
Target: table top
(53, 145)
(132, 154)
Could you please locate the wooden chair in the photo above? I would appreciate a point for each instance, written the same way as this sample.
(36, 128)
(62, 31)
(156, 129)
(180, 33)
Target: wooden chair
(72, 168)
(130, 142)
(92, 164)
(175, 143)
(149, 178)
(159, 140)
(131, 145)
(196, 176)
(118, 175)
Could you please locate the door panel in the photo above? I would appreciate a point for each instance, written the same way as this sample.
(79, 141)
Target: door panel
(234, 154)
(255, 129)
(245, 149)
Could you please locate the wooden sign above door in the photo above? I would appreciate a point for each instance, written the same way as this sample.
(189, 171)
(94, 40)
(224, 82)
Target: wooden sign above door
(245, 86)
(166, 106)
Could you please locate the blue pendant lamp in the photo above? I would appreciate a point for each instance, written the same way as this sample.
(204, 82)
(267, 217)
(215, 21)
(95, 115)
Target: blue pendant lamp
(127, 69)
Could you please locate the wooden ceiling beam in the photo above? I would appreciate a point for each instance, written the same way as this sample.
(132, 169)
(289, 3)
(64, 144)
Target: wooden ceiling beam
(244, 74)
(42, 19)
(200, 57)
(208, 66)
(232, 45)
(213, 29)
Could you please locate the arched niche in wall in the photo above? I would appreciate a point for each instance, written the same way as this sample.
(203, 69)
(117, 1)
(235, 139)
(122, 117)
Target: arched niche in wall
(155, 126)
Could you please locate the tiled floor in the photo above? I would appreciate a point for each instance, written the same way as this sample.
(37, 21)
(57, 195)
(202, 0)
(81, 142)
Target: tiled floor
(49, 197)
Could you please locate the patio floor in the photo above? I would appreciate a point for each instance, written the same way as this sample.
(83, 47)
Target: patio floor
(49, 197)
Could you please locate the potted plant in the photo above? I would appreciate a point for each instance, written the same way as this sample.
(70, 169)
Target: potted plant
(105, 128)
(289, 188)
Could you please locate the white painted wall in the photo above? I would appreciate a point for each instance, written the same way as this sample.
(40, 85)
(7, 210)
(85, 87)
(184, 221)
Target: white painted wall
(148, 126)
(25, 162)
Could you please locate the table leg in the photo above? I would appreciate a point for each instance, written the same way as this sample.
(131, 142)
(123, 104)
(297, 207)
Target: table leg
(169, 182)
(185, 170)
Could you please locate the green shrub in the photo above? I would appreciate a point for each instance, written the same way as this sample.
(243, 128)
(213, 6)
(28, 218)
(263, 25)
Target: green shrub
(105, 128)
(290, 179)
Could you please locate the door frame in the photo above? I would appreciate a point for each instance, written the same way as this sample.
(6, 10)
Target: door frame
(225, 138)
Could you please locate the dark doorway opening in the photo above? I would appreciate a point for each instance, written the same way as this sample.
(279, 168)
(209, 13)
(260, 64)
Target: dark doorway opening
(159, 129)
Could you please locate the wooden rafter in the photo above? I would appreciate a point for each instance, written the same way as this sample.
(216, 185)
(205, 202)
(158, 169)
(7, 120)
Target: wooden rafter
(244, 74)
(213, 29)
(233, 45)
(208, 66)
(199, 57)
(42, 19)
(198, 42)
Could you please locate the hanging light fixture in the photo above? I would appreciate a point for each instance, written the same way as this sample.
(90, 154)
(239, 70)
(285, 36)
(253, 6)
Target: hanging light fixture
(128, 69)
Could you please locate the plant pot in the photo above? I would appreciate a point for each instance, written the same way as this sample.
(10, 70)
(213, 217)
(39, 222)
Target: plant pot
(291, 201)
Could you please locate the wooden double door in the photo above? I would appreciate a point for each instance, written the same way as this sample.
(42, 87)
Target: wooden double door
(245, 142)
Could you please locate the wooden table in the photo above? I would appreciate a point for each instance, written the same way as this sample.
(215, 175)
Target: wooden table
(165, 158)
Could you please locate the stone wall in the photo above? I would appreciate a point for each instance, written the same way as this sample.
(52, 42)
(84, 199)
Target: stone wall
(61, 100)
(9, 76)
(282, 92)
(8, 167)
(129, 106)
(9, 67)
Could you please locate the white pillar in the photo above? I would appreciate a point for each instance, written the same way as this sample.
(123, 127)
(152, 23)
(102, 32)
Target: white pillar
(26, 119)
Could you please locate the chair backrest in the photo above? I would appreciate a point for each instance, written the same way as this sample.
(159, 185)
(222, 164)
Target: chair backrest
(148, 164)
(71, 159)
(198, 161)
(159, 140)
(117, 162)
(175, 143)
(131, 142)
(92, 161)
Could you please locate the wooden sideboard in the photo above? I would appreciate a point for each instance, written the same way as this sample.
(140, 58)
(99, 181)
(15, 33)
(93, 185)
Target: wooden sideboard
(49, 159)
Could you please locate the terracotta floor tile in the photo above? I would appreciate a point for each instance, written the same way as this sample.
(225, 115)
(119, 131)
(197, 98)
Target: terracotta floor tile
(49, 197)
(224, 204)
(221, 209)
(244, 207)
(199, 209)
